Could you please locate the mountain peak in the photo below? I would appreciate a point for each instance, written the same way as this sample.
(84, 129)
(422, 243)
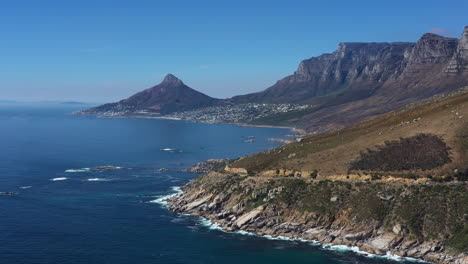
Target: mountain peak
(171, 80)
(465, 34)
(171, 95)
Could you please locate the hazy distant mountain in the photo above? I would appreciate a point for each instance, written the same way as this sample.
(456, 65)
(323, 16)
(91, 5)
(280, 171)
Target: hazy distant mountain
(170, 95)
(356, 82)
(73, 103)
(360, 80)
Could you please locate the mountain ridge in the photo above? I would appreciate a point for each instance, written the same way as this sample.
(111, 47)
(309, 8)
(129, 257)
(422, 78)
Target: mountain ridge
(356, 82)
(361, 80)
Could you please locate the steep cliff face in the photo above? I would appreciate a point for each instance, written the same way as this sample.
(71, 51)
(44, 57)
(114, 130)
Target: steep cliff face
(459, 61)
(357, 67)
(361, 80)
(432, 49)
(169, 96)
(419, 221)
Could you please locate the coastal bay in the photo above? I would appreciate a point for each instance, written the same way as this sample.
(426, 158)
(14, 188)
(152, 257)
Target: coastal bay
(110, 215)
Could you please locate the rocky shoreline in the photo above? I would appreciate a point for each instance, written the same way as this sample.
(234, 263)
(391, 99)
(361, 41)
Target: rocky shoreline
(222, 199)
(209, 165)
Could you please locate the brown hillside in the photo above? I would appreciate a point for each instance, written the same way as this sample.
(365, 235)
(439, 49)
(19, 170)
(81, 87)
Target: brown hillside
(332, 154)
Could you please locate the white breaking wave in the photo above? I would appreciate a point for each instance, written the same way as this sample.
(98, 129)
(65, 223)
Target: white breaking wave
(25, 187)
(210, 225)
(356, 250)
(97, 179)
(168, 149)
(245, 233)
(215, 226)
(163, 199)
(78, 170)
(343, 248)
(59, 179)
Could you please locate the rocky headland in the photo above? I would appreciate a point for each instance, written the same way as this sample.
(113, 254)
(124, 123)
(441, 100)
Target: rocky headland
(210, 165)
(395, 184)
(384, 167)
(405, 220)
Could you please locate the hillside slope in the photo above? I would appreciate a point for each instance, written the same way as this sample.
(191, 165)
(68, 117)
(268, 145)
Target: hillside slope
(440, 122)
(397, 183)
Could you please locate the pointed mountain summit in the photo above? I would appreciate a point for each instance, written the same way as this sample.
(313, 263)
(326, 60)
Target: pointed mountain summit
(171, 95)
(171, 80)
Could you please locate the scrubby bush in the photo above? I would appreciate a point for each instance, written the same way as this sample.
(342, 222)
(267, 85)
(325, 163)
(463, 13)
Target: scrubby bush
(462, 176)
(423, 151)
(314, 174)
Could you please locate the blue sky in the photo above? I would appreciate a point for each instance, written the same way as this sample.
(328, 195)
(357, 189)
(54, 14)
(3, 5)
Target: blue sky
(100, 51)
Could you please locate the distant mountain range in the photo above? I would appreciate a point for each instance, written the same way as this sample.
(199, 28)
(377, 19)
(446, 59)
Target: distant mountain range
(357, 81)
(361, 80)
(46, 102)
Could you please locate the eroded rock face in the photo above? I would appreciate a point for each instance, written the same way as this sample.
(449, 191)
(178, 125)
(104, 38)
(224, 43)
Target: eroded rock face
(361, 80)
(235, 170)
(331, 212)
(351, 66)
(432, 49)
(210, 165)
(459, 61)
(366, 67)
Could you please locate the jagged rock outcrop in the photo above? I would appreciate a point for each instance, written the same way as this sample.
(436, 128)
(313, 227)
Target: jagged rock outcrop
(210, 165)
(170, 95)
(432, 49)
(459, 61)
(361, 80)
(353, 66)
(419, 221)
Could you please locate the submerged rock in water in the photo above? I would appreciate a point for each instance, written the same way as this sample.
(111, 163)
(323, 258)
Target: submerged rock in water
(8, 193)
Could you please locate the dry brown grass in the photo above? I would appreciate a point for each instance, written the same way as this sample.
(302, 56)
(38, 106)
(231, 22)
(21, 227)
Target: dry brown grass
(331, 153)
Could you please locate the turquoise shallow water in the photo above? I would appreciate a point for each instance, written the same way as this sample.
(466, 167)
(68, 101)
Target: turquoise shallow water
(66, 214)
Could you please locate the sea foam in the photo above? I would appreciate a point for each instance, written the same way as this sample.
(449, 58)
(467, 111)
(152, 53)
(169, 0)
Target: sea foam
(78, 170)
(356, 250)
(97, 179)
(168, 149)
(59, 179)
(215, 226)
(162, 200)
(341, 248)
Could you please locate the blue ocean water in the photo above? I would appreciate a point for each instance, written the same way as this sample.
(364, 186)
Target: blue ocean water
(66, 214)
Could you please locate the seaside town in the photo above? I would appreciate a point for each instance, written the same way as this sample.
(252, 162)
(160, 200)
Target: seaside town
(237, 113)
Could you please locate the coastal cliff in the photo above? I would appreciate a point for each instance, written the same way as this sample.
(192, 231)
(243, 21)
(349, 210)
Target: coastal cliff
(419, 221)
(397, 184)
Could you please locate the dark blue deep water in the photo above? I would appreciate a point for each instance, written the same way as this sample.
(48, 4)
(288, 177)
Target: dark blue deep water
(111, 218)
